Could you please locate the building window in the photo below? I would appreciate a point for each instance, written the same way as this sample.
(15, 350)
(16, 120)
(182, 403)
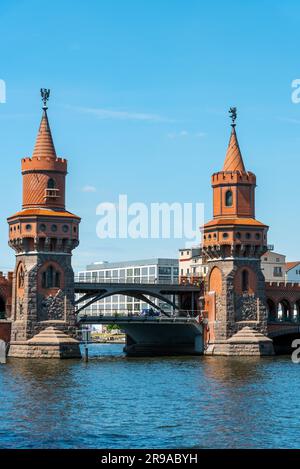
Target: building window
(238, 235)
(225, 235)
(248, 235)
(164, 270)
(53, 227)
(51, 278)
(65, 228)
(28, 227)
(228, 199)
(277, 271)
(43, 227)
(51, 192)
(245, 280)
(51, 184)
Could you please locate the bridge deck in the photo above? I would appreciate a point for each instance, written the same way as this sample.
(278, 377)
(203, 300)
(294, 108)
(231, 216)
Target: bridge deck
(98, 319)
(86, 287)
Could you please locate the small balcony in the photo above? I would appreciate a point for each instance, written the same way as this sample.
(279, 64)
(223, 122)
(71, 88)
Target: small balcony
(51, 194)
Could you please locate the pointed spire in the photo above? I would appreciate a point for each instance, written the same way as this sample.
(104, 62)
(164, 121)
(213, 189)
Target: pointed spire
(44, 146)
(233, 160)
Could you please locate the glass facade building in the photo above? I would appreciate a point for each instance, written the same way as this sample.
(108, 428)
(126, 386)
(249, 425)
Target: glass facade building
(138, 271)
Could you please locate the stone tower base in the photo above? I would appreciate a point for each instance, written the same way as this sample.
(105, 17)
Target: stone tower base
(246, 342)
(49, 343)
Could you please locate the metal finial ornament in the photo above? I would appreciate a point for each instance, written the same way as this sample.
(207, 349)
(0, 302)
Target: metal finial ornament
(45, 93)
(233, 114)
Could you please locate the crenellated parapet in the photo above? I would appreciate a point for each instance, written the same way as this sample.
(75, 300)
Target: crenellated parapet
(44, 164)
(233, 178)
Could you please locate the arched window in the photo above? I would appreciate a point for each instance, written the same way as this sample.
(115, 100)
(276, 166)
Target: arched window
(245, 280)
(51, 184)
(51, 278)
(21, 276)
(228, 199)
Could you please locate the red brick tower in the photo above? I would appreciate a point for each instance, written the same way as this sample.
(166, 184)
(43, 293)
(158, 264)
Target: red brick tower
(233, 243)
(43, 235)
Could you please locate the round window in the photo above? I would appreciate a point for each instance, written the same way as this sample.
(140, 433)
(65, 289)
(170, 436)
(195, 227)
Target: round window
(65, 228)
(42, 227)
(28, 227)
(53, 227)
(225, 235)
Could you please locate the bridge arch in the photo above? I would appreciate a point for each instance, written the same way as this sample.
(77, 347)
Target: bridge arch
(296, 311)
(284, 310)
(132, 292)
(282, 340)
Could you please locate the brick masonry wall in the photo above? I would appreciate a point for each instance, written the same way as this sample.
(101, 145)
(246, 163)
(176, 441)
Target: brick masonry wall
(235, 310)
(30, 311)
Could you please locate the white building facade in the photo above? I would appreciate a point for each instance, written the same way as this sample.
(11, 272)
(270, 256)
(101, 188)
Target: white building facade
(273, 266)
(191, 264)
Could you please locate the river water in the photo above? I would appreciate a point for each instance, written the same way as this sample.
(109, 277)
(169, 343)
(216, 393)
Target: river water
(118, 402)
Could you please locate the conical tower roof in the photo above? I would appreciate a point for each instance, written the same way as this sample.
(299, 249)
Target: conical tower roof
(44, 146)
(233, 160)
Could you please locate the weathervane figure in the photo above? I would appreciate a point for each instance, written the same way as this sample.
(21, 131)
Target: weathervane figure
(232, 112)
(45, 93)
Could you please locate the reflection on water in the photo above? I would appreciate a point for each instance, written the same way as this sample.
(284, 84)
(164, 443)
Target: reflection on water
(118, 402)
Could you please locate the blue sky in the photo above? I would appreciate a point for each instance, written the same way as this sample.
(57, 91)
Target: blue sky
(140, 93)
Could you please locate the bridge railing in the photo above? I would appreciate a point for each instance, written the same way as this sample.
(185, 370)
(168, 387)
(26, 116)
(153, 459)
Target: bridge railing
(156, 281)
(138, 281)
(133, 314)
